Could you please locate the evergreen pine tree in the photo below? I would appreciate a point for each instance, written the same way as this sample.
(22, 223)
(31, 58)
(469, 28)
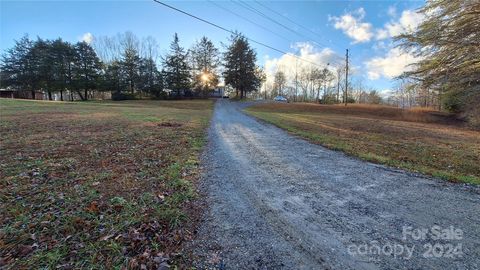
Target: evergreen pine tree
(241, 71)
(87, 69)
(176, 69)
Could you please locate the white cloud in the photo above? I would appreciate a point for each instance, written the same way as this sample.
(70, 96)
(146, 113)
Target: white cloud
(87, 37)
(408, 22)
(385, 93)
(392, 11)
(289, 63)
(351, 24)
(392, 65)
(373, 75)
(381, 46)
(382, 34)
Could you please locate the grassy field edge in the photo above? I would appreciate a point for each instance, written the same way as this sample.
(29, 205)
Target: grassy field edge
(333, 143)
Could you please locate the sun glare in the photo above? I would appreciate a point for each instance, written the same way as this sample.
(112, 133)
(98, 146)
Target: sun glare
(205, 77)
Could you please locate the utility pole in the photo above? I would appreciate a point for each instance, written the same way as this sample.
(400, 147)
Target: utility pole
(346, 79)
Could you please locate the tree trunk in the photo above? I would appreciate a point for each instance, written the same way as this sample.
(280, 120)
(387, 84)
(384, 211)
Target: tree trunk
(49, 95)
(86, 94)
(61, 95)
(80, 94)
(338, 91)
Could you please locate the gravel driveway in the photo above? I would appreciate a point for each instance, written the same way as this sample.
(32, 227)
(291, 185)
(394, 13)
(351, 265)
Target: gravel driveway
(277, 201)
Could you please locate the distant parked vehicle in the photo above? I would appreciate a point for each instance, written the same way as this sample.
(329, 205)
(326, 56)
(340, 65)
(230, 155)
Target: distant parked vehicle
(280, 99)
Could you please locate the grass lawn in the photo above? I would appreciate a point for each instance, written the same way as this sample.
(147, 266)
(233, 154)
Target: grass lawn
(98, 185)
(417, 140)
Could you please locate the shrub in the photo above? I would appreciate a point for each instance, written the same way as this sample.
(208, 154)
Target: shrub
(122, 96)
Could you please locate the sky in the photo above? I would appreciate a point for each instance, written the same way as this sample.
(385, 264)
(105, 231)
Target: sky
(315, 31)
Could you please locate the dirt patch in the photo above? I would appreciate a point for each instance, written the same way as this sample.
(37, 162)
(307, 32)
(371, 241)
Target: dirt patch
(170, 124)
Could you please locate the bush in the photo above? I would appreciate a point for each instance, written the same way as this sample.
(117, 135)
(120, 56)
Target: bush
(159, 95)
(122, 96)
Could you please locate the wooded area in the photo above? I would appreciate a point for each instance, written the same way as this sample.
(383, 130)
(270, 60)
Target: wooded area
(128, 67)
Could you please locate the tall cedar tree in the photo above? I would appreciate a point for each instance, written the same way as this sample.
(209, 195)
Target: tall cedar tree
(63, 55)
(205, 61)
(43, 66)
(17, 69)
(176, 69)
(130, 64)
(112, 79)
(240, 70)
(150, 79)
(448, 44)
(87, 69)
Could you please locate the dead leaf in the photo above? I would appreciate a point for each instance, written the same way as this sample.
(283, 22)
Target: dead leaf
(93, 207)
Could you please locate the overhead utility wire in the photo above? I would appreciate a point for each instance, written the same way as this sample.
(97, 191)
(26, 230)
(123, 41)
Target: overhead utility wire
(250, 21)
(290, 20)
(301, 26)
(263, 15)
(259, 25)
(233, 33)
(249, 7)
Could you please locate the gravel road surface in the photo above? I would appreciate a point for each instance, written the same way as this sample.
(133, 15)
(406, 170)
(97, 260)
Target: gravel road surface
(277, 201)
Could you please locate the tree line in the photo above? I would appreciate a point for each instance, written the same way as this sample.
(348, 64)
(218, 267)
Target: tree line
(320, 85)
(129, 67)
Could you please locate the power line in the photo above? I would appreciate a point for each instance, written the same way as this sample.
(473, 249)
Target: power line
(249, 7)
(290, 20)
(234, 33)
(259, 25)
(248, 20)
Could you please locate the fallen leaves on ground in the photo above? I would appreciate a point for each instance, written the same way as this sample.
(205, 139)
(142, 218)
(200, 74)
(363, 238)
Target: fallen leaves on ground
(90, 185)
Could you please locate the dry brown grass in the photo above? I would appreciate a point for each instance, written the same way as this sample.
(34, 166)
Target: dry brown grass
(423, 141)
(425, 115)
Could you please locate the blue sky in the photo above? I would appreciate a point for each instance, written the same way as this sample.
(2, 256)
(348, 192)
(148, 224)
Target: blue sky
(364, 27)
